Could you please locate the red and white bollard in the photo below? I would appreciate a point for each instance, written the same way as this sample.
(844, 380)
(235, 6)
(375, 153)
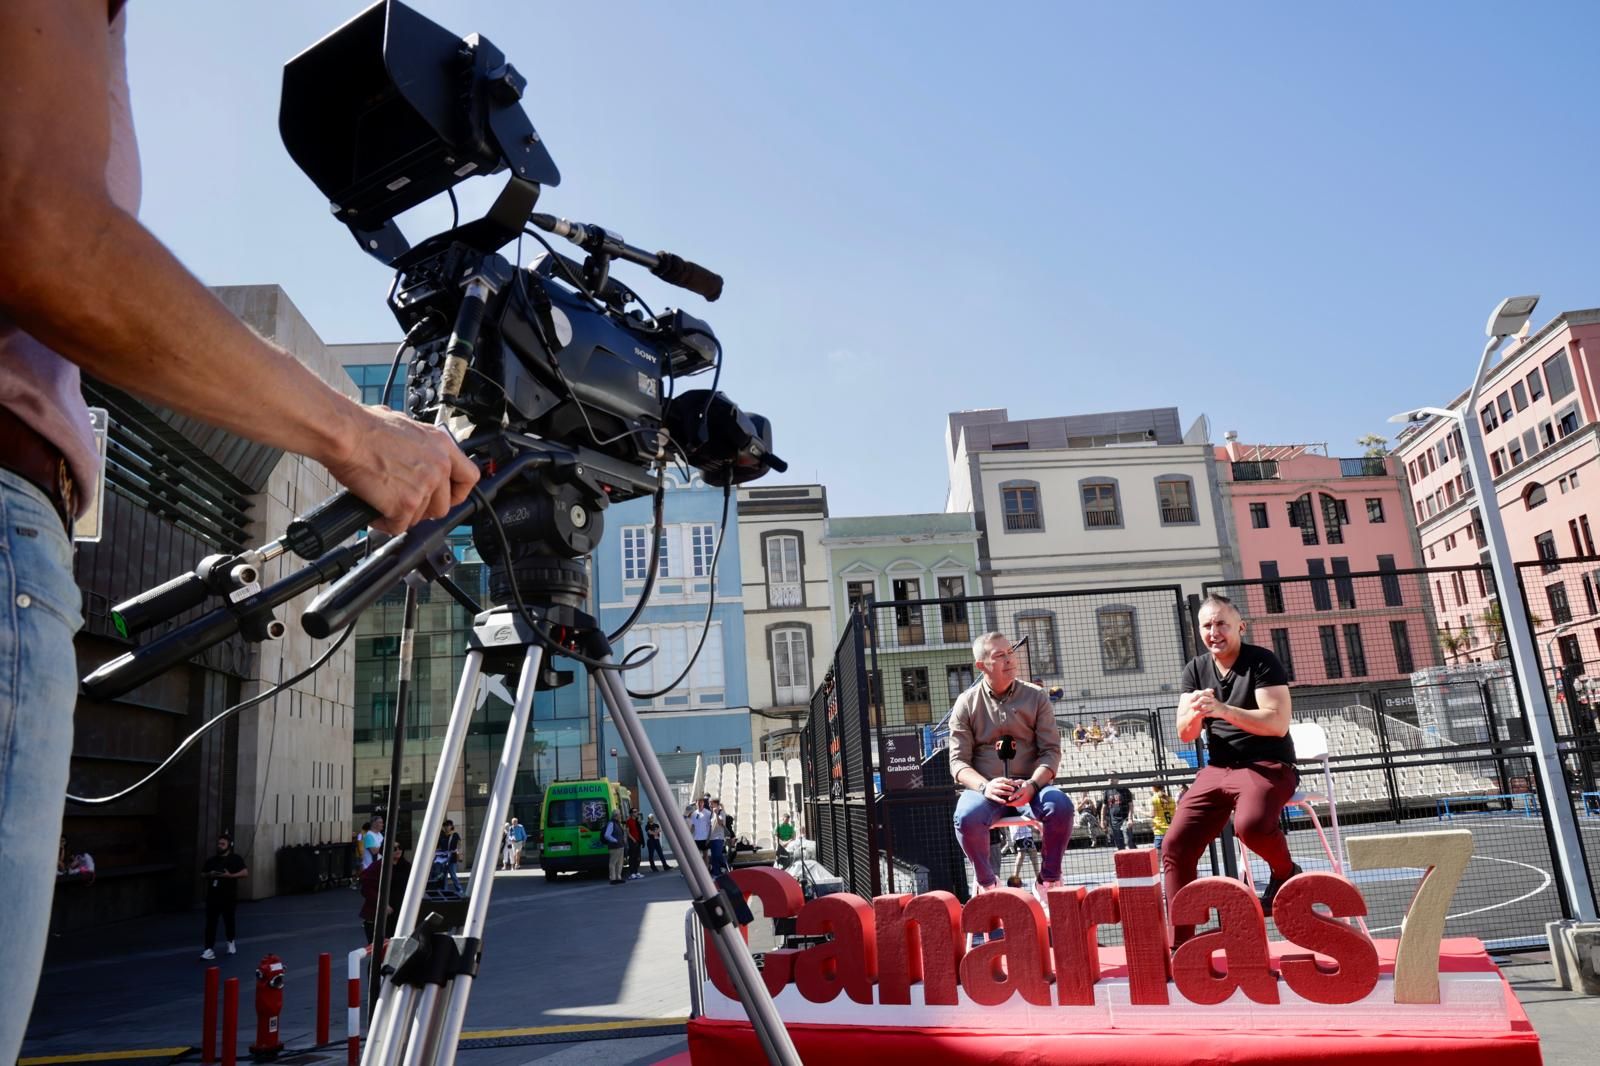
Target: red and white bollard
(353, 1005)
(324, 995)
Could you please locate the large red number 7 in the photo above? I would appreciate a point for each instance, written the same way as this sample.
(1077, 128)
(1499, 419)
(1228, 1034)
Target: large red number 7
(1443, 857)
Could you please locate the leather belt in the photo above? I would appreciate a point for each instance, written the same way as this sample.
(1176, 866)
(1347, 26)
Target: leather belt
(28, 454)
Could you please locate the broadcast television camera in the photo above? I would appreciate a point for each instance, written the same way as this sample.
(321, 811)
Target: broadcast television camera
(552, 375)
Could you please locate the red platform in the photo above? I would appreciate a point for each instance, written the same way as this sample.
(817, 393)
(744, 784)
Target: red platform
(713, 1041)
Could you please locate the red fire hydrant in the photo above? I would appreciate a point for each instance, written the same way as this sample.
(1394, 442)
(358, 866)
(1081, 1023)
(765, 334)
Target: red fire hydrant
(269, 1004)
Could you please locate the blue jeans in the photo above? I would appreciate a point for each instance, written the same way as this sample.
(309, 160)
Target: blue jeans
(975, 813)
(39, 613)
(450, 872)
(719, 849)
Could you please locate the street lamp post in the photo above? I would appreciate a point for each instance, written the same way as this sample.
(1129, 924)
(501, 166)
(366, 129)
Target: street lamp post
(1507, 319)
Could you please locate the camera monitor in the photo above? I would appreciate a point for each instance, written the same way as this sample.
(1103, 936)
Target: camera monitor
(368, 117)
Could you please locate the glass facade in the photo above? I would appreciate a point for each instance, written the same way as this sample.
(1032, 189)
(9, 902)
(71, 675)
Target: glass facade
(559, 744)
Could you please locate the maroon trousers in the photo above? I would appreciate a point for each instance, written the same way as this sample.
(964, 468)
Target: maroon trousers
(1254, 794)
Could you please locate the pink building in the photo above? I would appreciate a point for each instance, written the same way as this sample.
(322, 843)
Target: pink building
(1304, 524)
(1538, 412)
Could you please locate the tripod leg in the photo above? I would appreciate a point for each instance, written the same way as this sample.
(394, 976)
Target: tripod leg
(384, 1047)
(730, 943)
(439, 1042)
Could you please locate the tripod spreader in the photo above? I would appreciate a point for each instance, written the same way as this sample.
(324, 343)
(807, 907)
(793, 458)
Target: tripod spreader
(251, 616)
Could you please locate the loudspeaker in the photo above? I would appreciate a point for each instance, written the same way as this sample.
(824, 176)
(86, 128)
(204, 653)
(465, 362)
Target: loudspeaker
(775, 789)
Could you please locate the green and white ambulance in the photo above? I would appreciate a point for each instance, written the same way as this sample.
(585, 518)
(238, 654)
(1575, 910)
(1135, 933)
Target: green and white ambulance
(572, 820)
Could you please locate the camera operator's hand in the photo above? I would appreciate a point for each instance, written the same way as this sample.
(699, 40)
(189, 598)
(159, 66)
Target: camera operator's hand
(1000, 789)
(407, 470)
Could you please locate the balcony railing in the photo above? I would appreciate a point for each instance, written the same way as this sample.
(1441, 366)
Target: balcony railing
(1177, 513)
(1101, 519)
(783, 594)
(1023, 520)
(1262, 470)
(1365, 466)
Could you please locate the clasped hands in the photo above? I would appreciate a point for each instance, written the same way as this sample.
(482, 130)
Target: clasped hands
(1206, 704)
(1009, 790)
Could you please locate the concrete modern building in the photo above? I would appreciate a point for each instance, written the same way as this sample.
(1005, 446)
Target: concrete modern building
(276, 775)
(925, 651)
(1297, 512)
(1540, 415)
(787, 607)
(1089, 501)
(707, 713)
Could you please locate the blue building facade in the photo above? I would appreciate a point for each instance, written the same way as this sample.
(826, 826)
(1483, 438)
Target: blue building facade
(708, 713)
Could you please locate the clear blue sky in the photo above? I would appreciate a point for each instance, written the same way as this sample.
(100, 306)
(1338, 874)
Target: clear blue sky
(1292, 220)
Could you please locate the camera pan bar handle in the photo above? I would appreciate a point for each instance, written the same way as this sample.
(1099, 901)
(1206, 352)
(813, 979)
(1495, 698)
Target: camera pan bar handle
(670, 268)
(366, 584)
(140, 665)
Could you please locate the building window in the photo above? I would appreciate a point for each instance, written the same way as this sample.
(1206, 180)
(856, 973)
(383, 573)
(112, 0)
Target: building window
(1558, 375)
(1344, 587)
(1583, 524)
(1319, 588)
(784, 585)
(957, 679)
(1040, 629)
(1329, 636)
(1535, 385)
(1571, 653)
(908, 619)
(1101, 509)
(1567, 422)
(1271, 590)
(914, 694)
(1258, 516)
(635, 552)
(1335, 516)
(1175, 496)
(953, 609)
(702, 549)
(1355, 650)
(1300, 514)
(1497, 466)
(1374, 510)
(859, 592)
(1547, 432)
(1019, 502)
(1560, 609)
(1514, 453)
(1588, 595)
(1504, 400)
(1577, 542)
(1402, 647)
(1390, 582)
(1545, 547)
(1282, 649)
(791, 666)
(1519, 395)
(1119, 642)
(674, 644)
(1487, 415)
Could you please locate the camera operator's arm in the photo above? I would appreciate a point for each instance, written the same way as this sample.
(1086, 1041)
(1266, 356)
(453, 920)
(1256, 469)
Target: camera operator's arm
(85, 278)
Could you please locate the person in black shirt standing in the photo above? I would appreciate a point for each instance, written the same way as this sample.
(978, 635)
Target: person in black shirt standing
(222, 872)
(1238, 694)
(1116, 803)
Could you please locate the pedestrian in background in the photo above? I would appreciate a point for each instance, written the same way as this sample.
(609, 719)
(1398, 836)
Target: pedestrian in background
(1116, 807)
(1161, 807)
(399, 874)
(222, 872)
(635, 845)
(719, 839)
(652, 835)
(616, 837)
(518, 836)
(450, 848)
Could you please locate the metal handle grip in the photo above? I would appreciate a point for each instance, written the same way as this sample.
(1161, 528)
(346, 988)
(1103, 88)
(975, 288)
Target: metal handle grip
(158, 604)
(319, 530)
(676, 270)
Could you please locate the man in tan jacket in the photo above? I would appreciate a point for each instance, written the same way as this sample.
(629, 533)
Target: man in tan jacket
(1004, 748)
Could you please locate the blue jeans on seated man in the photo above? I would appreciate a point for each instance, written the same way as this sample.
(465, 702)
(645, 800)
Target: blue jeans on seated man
(975, 813)
(39, 613)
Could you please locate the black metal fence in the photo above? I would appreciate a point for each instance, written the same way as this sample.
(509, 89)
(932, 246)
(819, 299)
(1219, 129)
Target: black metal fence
(1424, 729)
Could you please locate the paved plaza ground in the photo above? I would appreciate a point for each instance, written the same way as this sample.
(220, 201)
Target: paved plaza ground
(576, 953)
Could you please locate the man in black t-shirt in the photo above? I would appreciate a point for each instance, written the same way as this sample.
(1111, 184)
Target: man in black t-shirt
(1238, 694)
(222, 872)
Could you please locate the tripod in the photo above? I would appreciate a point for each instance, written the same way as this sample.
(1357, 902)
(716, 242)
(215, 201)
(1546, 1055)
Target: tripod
(423, 1002)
